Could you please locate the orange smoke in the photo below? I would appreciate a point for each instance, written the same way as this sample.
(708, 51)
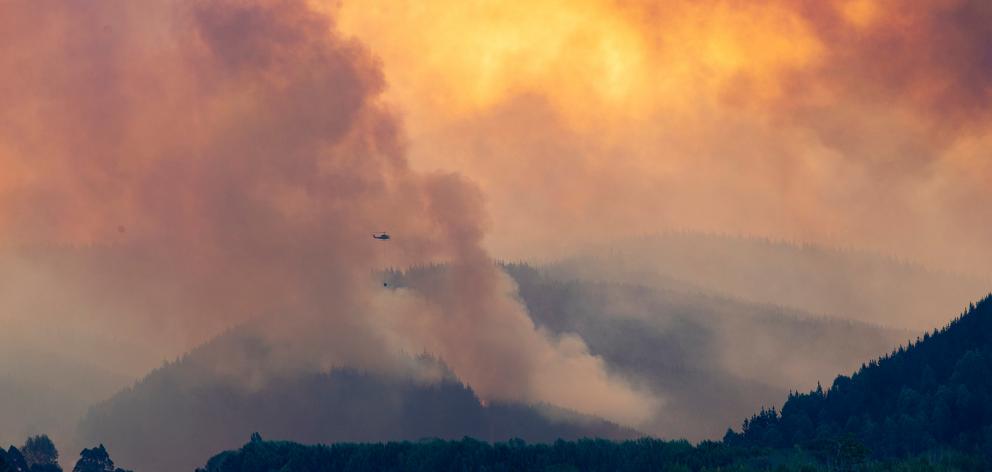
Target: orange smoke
(846, 122)
(588, 58)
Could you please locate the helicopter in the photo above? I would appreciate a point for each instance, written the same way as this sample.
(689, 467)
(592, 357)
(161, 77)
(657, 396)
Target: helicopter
(381, 236)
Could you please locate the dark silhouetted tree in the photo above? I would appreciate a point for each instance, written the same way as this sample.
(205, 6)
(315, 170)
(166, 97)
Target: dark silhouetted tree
(41, 454)
(13, 461)
(95, 460)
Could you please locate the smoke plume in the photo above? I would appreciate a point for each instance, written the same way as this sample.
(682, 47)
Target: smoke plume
(173, 168)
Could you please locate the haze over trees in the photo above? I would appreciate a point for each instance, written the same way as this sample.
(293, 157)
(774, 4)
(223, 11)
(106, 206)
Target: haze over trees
(686, 347)
(686, 342)
(692, 323)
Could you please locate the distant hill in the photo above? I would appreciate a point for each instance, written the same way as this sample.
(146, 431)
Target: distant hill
(838, 283)
(711, 358)
(185, 411)
(935, 393)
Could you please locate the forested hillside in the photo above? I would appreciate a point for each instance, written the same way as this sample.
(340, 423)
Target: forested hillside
(187, 410)
(933, 394)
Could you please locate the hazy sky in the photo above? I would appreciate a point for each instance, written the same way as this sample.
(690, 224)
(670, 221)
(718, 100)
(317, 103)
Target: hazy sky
(169, 168)
(848, 122)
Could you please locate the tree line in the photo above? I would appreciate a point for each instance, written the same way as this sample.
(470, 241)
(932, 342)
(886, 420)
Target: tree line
(591, 455)
(38, 454)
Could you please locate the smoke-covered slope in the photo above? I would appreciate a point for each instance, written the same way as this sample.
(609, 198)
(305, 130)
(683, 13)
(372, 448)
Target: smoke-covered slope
(710, 358)
(837, 283)
(185, 411)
